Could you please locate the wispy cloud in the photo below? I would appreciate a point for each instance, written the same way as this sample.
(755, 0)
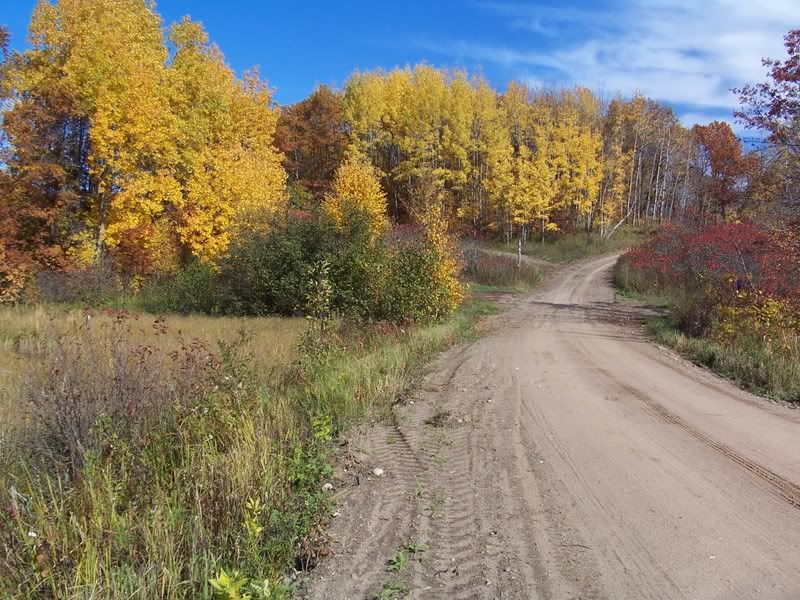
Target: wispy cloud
(684, 52)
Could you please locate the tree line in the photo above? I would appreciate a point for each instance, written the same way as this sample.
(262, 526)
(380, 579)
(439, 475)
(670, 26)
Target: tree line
(521, 162)
(127, 140)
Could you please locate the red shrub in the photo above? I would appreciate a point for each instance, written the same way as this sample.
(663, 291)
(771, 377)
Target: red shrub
(727, 256)
(717, 266)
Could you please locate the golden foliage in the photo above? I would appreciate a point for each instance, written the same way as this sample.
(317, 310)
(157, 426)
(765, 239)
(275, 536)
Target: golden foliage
(178, 139)
(507, 161)
(772, 321)
(356, 187)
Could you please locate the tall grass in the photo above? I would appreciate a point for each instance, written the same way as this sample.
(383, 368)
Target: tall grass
(220, 493)
(747, 361)
(691, 328)
(502, 272)
(572, 246)
(27, 332)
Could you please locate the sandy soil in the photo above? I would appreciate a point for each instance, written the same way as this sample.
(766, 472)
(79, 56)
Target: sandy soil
(563, 456)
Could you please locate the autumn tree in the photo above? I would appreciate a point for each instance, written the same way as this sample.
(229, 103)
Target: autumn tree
(356, 188)
(118, 147)
(45, 164)
(112, 59)
(530, 186)
(14, 264)
(311, 134)
(488, 155)
(229, 173)
(411, 122)
(89, 130)
(519, 161)
(728, 167)
(774, 107)
(617, 163)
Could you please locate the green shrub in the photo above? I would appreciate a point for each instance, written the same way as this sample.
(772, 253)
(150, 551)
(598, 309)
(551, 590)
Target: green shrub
(195, 288)
(357, 268)
(411, 291)
(265, 273)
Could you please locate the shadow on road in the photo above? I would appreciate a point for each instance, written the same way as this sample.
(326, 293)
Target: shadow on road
(613, 313)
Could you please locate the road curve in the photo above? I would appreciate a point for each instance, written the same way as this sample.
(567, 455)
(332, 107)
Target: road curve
(564, 456)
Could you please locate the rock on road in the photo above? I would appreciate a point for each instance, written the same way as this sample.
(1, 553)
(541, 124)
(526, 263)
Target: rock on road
(564, 456)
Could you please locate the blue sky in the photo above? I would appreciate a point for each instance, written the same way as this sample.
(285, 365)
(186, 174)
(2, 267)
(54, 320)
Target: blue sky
(685, 52)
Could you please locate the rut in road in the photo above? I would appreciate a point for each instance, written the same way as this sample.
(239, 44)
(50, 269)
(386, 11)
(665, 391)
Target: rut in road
(563, 456)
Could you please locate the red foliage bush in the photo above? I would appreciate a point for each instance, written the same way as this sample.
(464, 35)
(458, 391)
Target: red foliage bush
(718, 266)
(727, 256)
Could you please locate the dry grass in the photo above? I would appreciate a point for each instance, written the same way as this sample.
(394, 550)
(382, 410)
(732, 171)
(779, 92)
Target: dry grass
(233, 481)
(572, 246)
(25, 333)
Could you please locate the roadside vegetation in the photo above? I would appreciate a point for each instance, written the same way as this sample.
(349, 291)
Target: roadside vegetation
(221, 439)
(729, 270)
(576, 245)
(733, 293)
(487, 271)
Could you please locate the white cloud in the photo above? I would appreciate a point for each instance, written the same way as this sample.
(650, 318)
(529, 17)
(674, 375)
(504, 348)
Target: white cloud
(684, 52)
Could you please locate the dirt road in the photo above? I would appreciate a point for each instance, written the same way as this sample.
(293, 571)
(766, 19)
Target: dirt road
(563, 456)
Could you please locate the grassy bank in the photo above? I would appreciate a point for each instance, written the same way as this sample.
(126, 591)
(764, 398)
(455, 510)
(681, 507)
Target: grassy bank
(490, 272)
(748, 362)
(208, 480)
(572, 246)
(742, 354)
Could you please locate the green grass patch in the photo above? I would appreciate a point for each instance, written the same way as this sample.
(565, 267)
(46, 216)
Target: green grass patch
(346, 385)
(398, 562)
(479, 288)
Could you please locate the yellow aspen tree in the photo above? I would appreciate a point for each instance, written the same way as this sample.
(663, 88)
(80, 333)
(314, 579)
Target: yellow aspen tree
(526, 197)
(489, 153)
(420, 127)
(257, 180)
(357, 188)
(366, 112)
(111, 57)
(580, 144)
(229, 171)
(456, 130)
(432, 212)
(372, 109)
(617, 164)
(549, 162)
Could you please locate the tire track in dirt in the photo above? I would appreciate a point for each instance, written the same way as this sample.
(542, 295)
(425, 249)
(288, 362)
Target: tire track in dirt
(562, 457)
(788, 490)
(369, 510)
(783, 487)
(454, 523)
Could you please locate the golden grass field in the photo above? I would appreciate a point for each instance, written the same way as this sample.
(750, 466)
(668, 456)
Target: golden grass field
(26, 331)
